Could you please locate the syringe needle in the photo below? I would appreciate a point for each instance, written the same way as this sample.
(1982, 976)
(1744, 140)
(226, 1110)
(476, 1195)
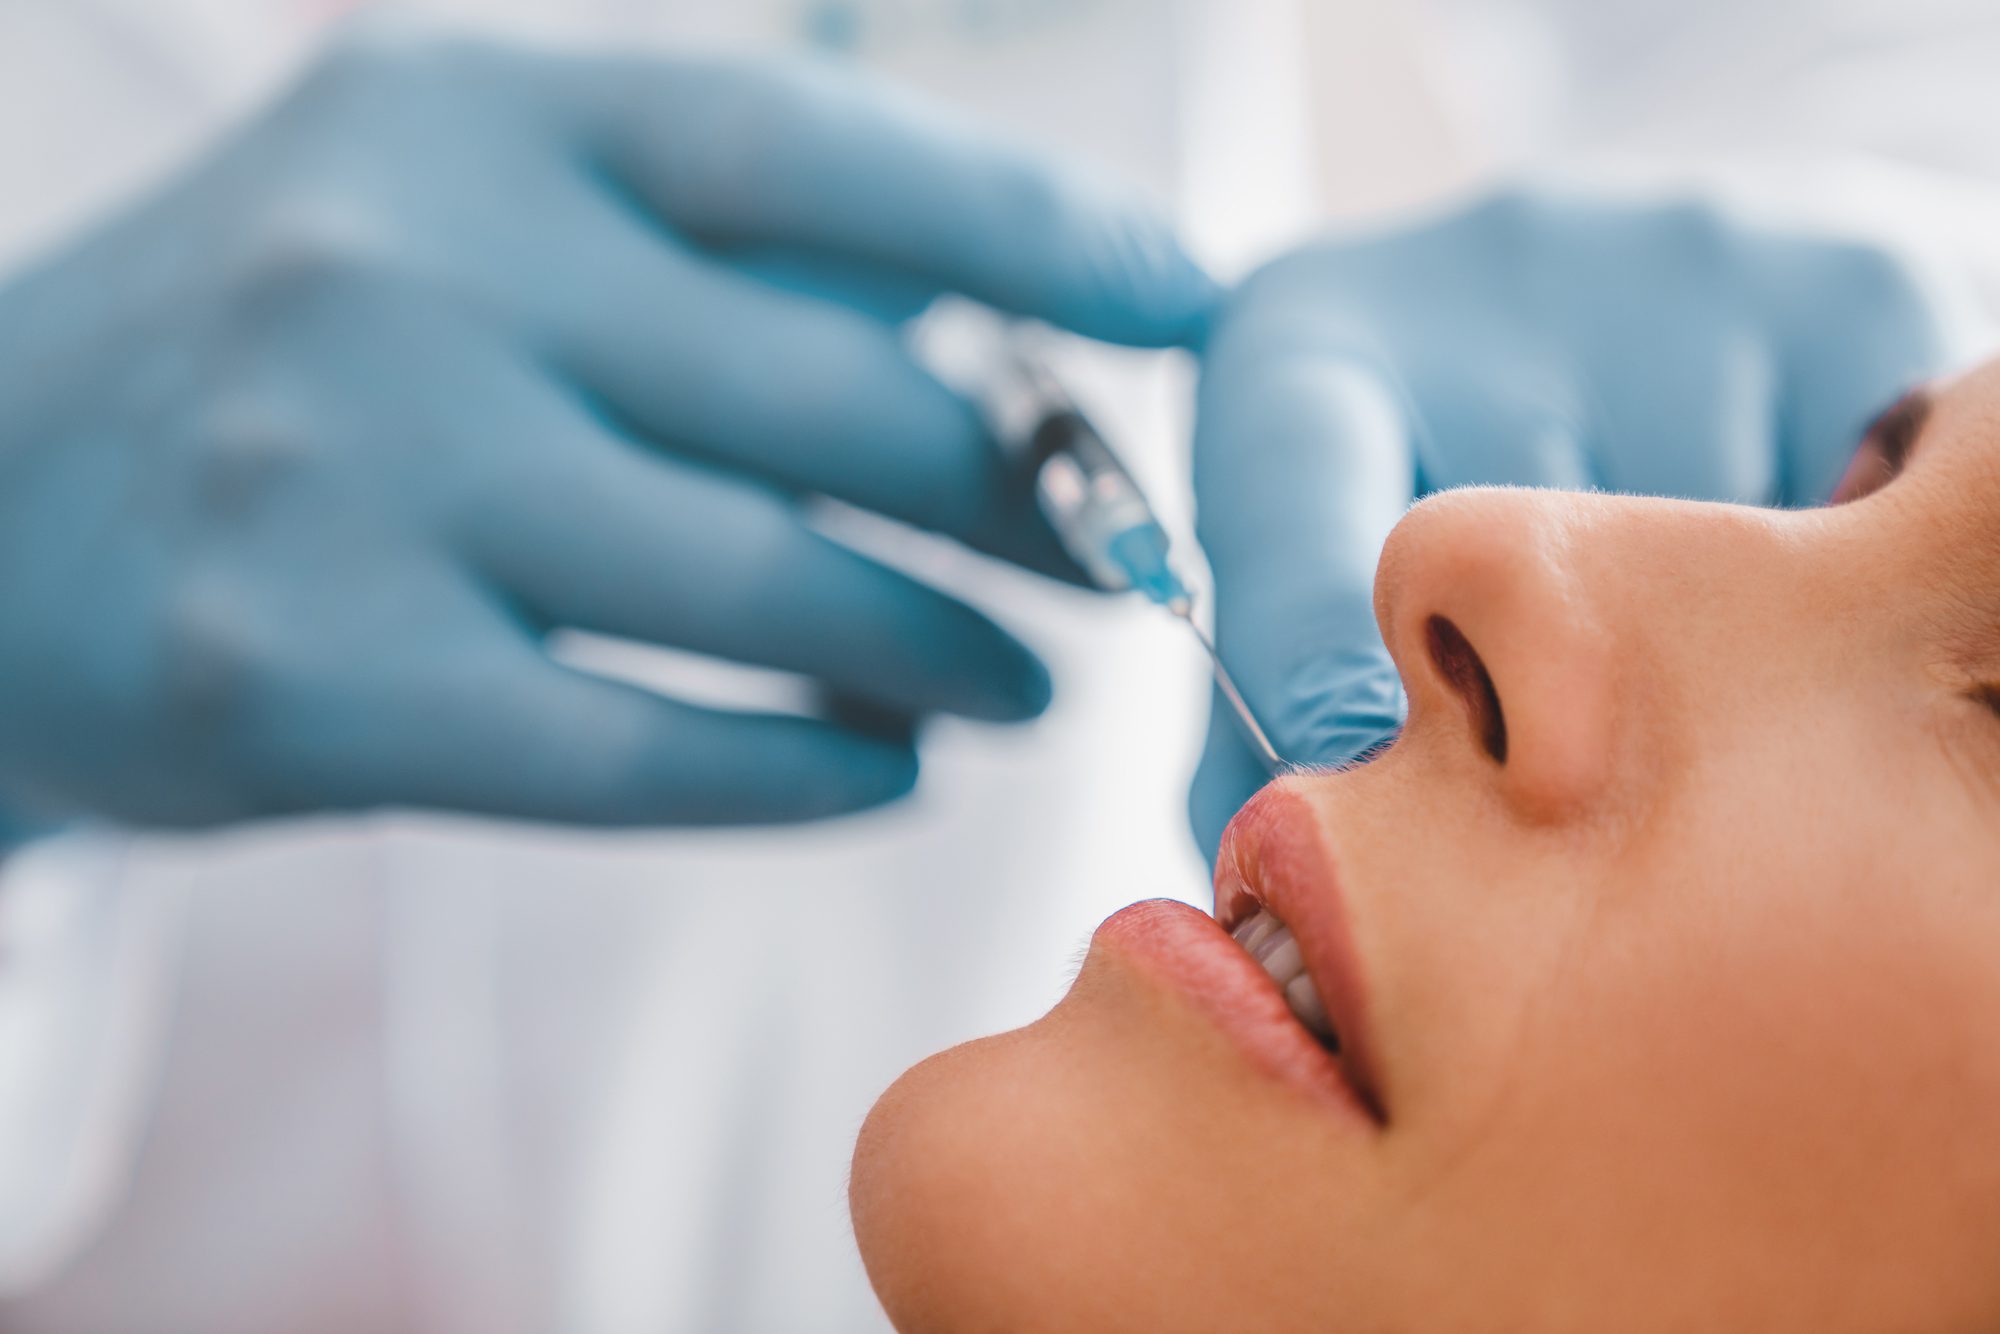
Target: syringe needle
(1184, 609)
(1095, 505)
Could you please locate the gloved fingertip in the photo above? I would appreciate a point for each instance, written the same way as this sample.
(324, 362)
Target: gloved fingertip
(1212, 804)
(874, 761)
(1142, 287)
(1177, 295)
(1016, 690)
(898, 774)
(1207, 824)
(1228, 776)
(1034, 688)
(873, 771)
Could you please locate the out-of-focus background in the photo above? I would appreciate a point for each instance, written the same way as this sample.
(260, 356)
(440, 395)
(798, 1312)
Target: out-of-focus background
(402, 1074)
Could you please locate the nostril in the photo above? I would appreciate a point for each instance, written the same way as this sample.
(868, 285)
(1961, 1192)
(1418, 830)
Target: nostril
(1458, 662)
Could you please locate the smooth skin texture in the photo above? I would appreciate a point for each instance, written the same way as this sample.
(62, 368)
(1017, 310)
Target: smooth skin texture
(1532, 339)
(1685, 1013)
(302, 458)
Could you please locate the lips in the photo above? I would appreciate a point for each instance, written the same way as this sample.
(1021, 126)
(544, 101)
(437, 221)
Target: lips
(1272, 860)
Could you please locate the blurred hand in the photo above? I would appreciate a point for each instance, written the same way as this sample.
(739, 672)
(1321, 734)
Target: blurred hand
(301, 460)
(1529, 341)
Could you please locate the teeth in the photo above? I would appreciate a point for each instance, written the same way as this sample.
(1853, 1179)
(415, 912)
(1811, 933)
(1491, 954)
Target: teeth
(1303, 997)
(1269, 941)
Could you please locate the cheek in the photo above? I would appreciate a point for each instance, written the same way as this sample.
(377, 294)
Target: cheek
(1737, 1055)
(1772, 1066)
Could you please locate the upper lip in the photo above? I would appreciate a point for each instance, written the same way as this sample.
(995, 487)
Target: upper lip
(1274, 856)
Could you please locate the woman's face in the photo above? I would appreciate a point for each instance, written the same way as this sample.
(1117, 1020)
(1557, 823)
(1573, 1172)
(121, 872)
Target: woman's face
(1662, 950)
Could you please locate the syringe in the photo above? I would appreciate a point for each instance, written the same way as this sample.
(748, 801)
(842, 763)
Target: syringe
(1097, 508)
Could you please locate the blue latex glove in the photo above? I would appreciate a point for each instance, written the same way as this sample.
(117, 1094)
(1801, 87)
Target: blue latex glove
(1533, 340)
(459, 343)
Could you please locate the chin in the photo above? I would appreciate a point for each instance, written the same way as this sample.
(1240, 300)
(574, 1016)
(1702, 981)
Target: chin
(1096, 1171)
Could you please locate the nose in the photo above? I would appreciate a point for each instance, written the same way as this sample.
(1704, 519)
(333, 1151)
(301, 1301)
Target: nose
(1508, 643)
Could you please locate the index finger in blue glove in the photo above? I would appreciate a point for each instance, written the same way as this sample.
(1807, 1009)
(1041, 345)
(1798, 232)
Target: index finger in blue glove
(797, 156)
(1302, 466)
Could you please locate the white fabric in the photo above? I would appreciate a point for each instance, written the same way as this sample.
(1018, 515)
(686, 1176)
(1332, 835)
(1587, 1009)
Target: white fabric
(86, 958)
(426, 1075)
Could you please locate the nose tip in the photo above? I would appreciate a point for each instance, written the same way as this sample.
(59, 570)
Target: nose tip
(1505, 641)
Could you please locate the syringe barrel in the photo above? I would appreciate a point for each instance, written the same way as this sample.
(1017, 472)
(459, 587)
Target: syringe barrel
(1088, 497)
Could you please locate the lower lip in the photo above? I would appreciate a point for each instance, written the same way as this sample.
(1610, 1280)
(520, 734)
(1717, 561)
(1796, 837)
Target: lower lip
(1187, 951)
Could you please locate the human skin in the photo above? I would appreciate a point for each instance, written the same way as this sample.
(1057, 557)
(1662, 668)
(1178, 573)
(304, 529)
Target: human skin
(1683, 1015)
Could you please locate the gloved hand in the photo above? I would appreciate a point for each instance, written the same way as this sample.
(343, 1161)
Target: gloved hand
(460, 343)
(1532, 340)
